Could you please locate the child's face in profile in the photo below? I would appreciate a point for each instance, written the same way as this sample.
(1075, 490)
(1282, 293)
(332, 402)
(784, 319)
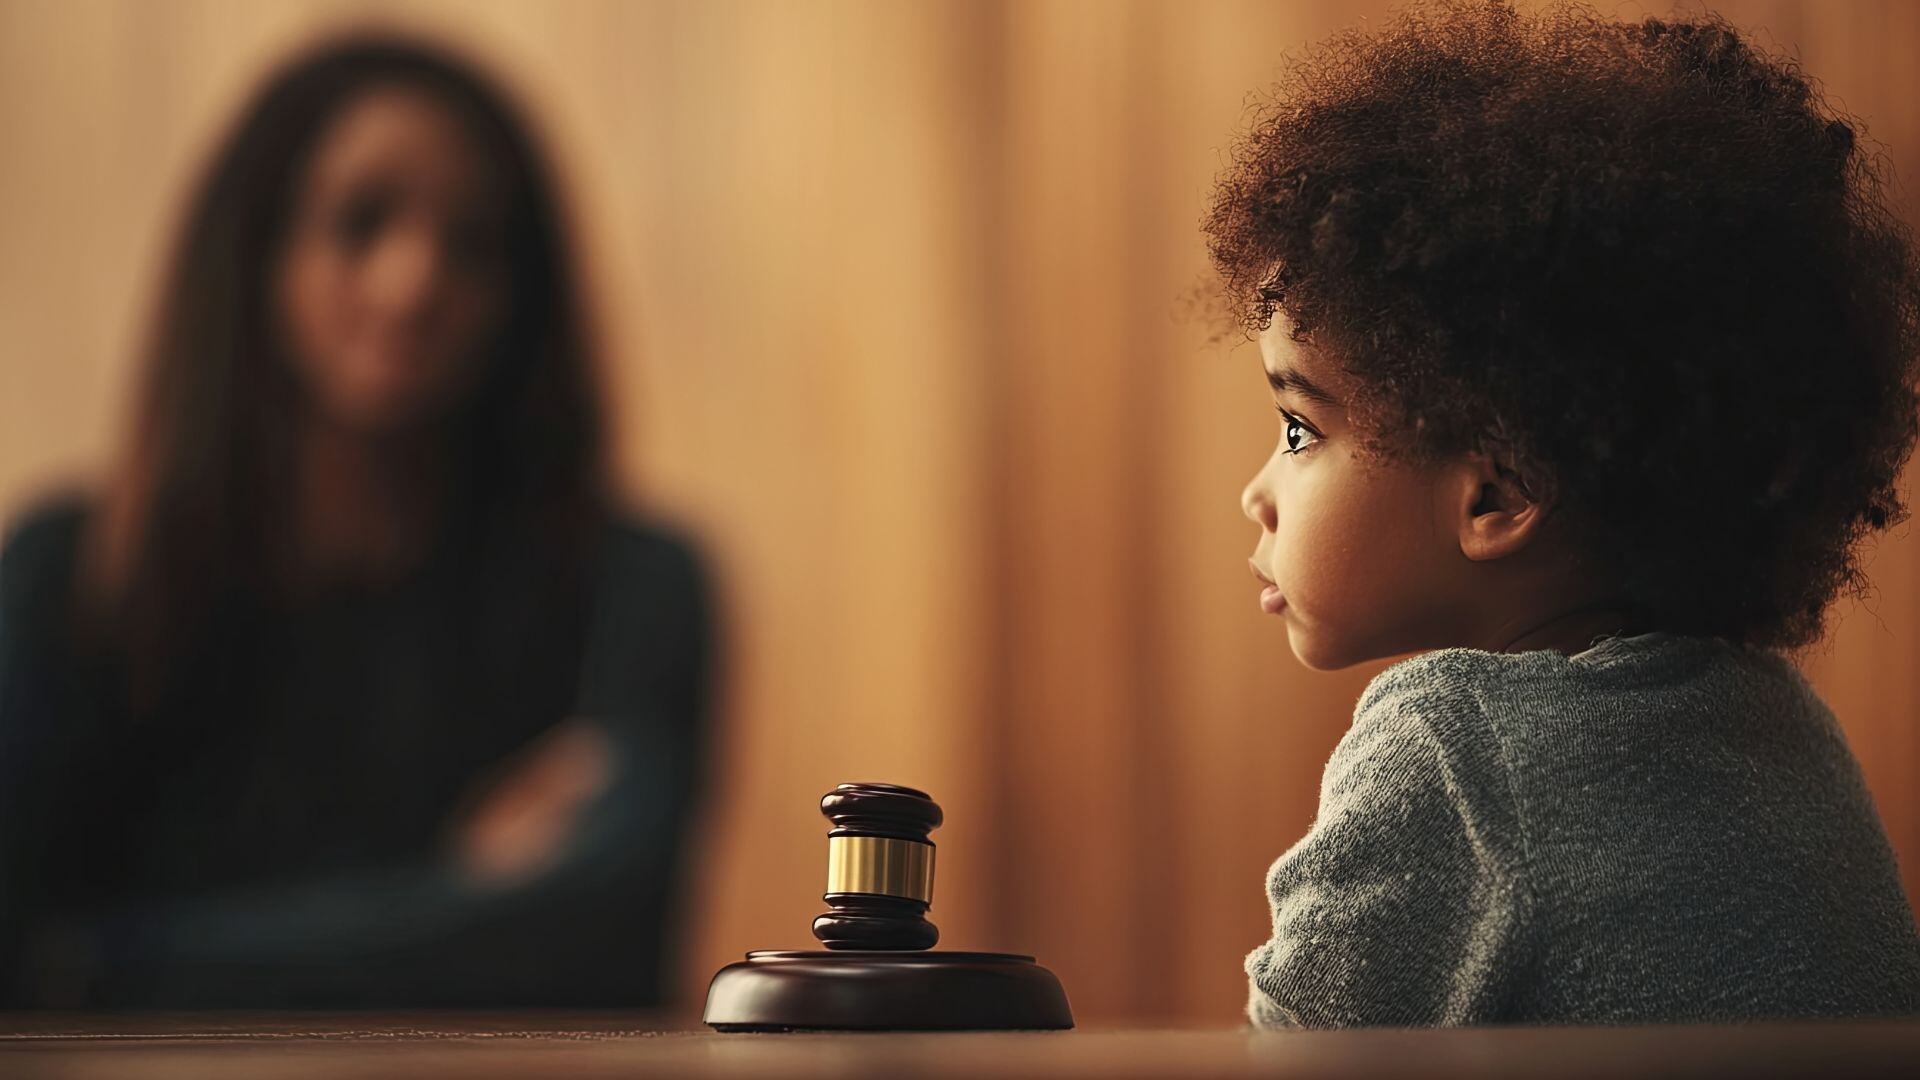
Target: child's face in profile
(1360, 556)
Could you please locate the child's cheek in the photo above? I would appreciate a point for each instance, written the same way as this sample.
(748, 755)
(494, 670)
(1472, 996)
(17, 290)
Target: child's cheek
(1349, 556)
(1324, 543)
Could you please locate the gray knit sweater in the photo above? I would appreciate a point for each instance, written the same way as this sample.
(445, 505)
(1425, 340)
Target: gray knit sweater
(1658, 829)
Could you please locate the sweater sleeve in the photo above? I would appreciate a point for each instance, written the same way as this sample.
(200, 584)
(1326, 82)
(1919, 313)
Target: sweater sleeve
(1400, 906)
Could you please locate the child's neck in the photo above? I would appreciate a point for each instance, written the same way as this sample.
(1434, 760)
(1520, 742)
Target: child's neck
(1568, 630)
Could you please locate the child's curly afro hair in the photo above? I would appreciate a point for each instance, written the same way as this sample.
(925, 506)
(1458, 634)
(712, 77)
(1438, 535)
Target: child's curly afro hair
(1644, 264)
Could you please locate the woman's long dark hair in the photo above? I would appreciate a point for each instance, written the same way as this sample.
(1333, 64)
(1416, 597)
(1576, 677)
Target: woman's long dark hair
(194, 516)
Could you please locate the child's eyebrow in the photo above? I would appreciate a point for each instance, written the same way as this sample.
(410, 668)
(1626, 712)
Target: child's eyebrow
(1288, 379)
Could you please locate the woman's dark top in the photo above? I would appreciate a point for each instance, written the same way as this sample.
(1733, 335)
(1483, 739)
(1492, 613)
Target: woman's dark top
(273, 832)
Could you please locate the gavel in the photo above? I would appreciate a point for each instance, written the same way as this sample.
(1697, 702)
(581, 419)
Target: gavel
(879, 868)
(878, 972)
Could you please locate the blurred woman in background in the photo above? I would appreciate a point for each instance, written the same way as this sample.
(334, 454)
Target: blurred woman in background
(352, 688)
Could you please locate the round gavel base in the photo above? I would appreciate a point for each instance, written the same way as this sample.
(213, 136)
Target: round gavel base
(886, 991)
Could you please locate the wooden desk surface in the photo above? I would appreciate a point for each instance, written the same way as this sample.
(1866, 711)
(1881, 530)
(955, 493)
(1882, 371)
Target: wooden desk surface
(542, 1044)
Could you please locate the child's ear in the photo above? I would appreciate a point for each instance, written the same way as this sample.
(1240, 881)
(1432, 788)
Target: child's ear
(1495, 512)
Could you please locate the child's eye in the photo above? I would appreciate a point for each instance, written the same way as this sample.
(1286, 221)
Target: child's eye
(1296, 434)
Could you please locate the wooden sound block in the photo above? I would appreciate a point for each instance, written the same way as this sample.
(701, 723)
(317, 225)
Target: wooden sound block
(876, 990)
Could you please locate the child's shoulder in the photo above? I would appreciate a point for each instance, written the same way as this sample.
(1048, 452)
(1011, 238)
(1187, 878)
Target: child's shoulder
(1478, 712)
(1425, 721)
(1444, 697)
(1463, 681)
(1471, 706)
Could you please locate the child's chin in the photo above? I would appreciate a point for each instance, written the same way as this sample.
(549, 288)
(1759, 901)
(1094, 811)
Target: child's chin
(1321, 652)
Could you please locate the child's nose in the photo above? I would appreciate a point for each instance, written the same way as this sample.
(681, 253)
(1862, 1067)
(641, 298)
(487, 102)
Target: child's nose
(1258, 506)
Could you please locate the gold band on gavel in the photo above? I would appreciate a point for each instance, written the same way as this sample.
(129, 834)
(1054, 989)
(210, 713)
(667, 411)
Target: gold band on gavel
(880, 864)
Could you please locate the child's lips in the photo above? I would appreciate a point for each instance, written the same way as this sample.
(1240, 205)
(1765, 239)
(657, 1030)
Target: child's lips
(1270, 599)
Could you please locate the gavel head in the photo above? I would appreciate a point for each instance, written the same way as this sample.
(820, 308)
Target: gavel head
(879, 868)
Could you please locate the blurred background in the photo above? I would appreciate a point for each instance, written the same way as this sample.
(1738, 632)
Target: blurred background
(896, 299)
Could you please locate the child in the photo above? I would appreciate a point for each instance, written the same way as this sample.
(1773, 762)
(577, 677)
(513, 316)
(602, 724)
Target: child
(1594, 347)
